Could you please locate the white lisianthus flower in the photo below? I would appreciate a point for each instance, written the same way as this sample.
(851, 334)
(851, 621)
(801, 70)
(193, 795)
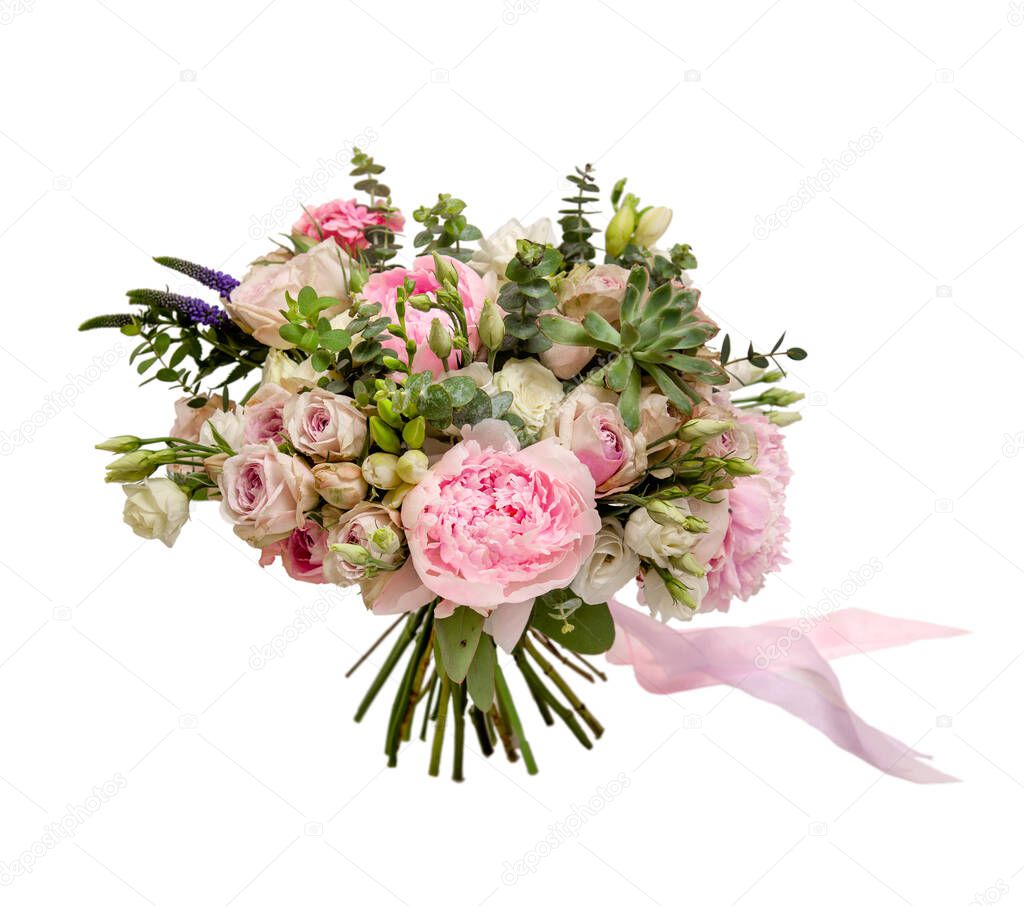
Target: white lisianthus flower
(668, 540)
(156, 508)
(535, 390)
(609, 567)
(229, 425)
(499, 248)
(654, 594)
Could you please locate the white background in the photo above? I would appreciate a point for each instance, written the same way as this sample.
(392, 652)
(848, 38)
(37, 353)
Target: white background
(136, 129)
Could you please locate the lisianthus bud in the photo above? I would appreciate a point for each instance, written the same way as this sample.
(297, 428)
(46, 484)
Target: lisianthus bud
(444, 270)
(412, 466)
(439, 340)
(690, 564)
(381, 470)
(341, 484)
(352, 553)
(214, 465)
(491, 326)
(421, 302)
(695, 524)
(664, 513)
(740, 467)
(132, 466)
(778, 396)
(703, 428)
(620, 229)
(679, 592)
(652, 225)
(386, 539)
(782, 419)
(123, 443)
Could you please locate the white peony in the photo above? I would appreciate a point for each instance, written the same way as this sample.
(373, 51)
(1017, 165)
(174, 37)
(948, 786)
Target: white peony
(609, 567)
(156, 508)
(535, 390)
(499, 248)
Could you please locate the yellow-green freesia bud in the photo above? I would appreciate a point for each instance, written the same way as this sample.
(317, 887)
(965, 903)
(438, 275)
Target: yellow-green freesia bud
(652, 226)
(381, 470)
(415, 432)
(439, 340)
(123, 443)
(384, 436)
(620, 229)
(412, 466)
(492, 326)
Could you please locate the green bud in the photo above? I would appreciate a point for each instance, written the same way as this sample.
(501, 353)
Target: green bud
(444, 270)
(689, 564)
(358, 277)
(652, 226)
(783, 419)
(385, 540)
(415, 432)
(703, 428)
(393, 498)
(679, 592)
(620, 229)
(695, 524)
(391, 363)
(421, 302)
(133, 466)
(384, 436)
(740, 467)
(352, 553)
(439, 340)
(664, 513)
(386, 410)
(779, 396)
(123, 443)
(491, 326)
(381, 470)
(412, 466)
(770, 377)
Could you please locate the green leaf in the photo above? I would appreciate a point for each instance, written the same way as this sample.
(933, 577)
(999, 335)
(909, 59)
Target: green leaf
(292, 333)
(796, 353)
(435, 403)
(475, 411)
(564, 331)
(307, 300)
(458, 637)
(726, 349)
(480, 679)
(161, 343)
(335, 340)
(310, 341)
(500, 403)
(460, 389)
(592, 628)
(321, 360)
(168, 375)
(629, 402)
(601, 330)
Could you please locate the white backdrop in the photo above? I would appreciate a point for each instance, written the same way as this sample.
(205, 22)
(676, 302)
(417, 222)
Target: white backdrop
(194, 129)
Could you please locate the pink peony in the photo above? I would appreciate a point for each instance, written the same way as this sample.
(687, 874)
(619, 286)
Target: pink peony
(302, 553)
(754, 540)
(492, 525)
(345, 222)
(382, 288)
(265, 493)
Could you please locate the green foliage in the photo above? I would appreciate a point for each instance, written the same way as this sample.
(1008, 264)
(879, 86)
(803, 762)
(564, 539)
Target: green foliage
(660, 336)
(458, 637)
(528, 294)
(566, 619)
(576, 229)
(445, 228)
(762, 359)
(381, 237)
(480, 679)
(312, 333)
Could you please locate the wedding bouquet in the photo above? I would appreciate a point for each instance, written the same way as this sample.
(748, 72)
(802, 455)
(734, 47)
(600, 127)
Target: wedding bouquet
(489, 442)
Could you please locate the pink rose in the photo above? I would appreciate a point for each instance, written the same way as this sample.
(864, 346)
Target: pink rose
(374, 528)
(264, 415)
(588, 422)
(302, 553)
(599, 289)
(188, 421)
(265, 493)
(566, 361)
(256, 303)
(382, 288)
(345, 222)
(325, 424)
(493, 525)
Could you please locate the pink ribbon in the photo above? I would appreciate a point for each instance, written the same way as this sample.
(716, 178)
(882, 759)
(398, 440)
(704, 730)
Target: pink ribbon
(785, 663)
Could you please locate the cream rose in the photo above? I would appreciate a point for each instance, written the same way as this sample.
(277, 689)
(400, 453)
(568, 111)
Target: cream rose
(230, 425)
(156, 508)
(341, 484)
(256, 302)
(535, 390)
(325, 424)
(279, 368)
(609, 567)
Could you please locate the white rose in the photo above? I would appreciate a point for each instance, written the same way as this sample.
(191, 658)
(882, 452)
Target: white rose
(229, 425)
(658, 599)
(282, 370)
(257, 301)
(499, 248)
(325, 424)
(156, 508)
(610, 566)
(535, 390)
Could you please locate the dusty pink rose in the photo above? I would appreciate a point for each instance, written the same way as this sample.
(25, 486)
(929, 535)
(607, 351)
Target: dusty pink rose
(374, 528)
(256, 303)
(589, 424)
(188, 421)
(599, 289)
(345, 222)
(493, 525)
(566, 361)
(325, 424)
(265, 493)
(264, 415)
(756, 534)
(302, 553)
(382, 288)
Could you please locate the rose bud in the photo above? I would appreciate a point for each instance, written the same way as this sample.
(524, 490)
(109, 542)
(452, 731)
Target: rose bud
(341, 484)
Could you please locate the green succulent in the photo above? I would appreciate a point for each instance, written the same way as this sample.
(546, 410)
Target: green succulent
(659, 335)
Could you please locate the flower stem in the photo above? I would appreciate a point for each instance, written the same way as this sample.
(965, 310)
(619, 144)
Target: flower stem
(442, 713)
(511, 718)
(459, 709)
(411, 624)
(564, 688)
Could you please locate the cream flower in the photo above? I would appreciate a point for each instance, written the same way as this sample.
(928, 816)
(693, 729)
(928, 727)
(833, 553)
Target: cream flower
(156, 508)
(535, 390)
(499, 248)
(609, 567)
